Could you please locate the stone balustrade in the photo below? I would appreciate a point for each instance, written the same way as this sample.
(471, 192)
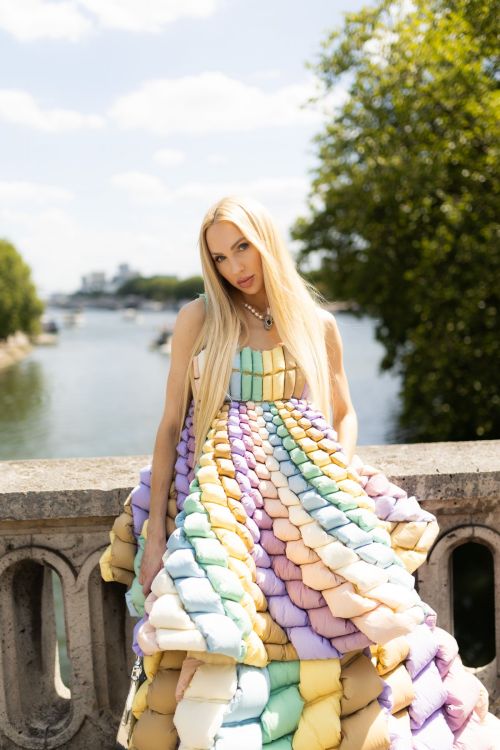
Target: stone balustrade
(55, 516)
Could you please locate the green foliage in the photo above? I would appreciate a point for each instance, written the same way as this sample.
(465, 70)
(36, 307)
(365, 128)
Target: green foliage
(403, 209)
(20, 308)
(163, 288)
(190, 287)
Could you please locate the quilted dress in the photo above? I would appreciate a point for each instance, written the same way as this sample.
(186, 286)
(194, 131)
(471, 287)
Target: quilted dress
(286, 614)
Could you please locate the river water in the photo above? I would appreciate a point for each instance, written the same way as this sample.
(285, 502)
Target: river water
(100, 390)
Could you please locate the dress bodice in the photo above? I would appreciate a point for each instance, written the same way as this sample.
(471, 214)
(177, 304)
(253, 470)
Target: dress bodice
(260, 375)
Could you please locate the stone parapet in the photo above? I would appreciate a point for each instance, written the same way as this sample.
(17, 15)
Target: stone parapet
(55, 517)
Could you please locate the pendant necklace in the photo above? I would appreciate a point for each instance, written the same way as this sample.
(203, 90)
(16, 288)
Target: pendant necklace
(266, 317)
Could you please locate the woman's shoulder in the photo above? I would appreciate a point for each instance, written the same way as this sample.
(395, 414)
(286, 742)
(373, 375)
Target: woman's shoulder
(190, 318)
(328, 319)
(333, 338)
(196, 308)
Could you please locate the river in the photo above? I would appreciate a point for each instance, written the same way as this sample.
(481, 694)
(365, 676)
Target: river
(100, 390)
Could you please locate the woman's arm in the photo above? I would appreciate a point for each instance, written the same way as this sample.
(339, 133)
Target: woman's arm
(345, 420)
(187, 327)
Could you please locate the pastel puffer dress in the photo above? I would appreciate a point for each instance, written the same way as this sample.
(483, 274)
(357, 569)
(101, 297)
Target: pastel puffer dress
(285, 615)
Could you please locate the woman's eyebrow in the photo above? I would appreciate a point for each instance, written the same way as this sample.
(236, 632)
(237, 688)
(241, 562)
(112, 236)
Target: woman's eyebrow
(237, 243)
(214, 255)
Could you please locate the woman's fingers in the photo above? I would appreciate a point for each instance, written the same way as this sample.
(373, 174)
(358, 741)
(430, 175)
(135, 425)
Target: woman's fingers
(148, 579)
(151, 563)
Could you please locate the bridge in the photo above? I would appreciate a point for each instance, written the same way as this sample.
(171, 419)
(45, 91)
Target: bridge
(65, 634)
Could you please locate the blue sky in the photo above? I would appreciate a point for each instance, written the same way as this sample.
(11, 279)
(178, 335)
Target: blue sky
(122, 121)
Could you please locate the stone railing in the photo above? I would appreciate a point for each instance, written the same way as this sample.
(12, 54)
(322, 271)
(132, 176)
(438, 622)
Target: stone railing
(55, 516)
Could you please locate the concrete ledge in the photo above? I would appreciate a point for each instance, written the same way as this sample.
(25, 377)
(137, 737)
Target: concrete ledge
(441, 473)
(55, 517)
(67, 488)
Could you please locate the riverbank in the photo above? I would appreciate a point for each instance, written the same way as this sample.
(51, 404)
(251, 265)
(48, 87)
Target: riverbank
(14, 348)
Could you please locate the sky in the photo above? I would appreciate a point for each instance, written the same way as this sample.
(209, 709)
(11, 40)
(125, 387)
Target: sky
(123, 121)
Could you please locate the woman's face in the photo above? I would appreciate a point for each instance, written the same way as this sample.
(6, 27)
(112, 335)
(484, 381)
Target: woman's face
(238, 261)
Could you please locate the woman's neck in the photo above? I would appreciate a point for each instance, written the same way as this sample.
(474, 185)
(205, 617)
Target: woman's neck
(259, 300)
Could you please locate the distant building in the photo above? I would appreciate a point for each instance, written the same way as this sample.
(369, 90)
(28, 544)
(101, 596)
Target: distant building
(96, 281)
(58, 299)
(93, 282)
(124, 273)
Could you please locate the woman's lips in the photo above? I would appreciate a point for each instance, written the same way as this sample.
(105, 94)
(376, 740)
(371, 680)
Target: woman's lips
(247, 282)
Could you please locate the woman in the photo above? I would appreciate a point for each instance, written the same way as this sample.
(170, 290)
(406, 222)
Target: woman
(277, 602)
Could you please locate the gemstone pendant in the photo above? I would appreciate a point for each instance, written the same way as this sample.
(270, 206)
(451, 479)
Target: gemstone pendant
(268, 321)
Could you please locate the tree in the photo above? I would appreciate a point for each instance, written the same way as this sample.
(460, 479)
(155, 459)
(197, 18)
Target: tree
(163, 288)
(20, 308)
(189, 287)
(403, 207)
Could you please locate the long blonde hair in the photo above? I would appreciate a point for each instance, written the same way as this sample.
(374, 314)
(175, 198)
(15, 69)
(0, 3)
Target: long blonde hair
(294, 305)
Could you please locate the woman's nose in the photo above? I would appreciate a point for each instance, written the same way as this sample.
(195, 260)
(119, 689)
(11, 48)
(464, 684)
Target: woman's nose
(237, 267)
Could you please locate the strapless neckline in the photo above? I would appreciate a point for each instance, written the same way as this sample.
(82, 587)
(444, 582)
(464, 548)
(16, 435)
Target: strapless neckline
(259, 374)
(251, 348)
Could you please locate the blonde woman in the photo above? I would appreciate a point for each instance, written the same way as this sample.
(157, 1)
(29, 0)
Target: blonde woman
(274, 583)
(246, 268)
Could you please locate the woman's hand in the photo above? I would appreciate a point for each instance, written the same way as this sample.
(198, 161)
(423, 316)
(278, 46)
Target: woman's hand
(151, 562)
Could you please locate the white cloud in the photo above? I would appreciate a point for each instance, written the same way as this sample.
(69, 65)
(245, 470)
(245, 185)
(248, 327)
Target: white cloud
(148, 15)
(267, 74)
(216, 159)
(141, 187)
(211, 102)
(28, 20)
(169, 157)
(32, 192)
(147, 188)
(261, 189)
(21, 108)
(184, 205)
(284, 197)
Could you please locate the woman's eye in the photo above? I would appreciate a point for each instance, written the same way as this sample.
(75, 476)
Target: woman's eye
(243, 244)
(219, 258)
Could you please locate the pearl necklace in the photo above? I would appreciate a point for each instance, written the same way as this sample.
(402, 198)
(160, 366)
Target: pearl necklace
(266, 317)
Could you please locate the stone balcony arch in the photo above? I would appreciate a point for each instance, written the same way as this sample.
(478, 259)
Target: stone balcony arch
(435, 584)
(436, 569)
